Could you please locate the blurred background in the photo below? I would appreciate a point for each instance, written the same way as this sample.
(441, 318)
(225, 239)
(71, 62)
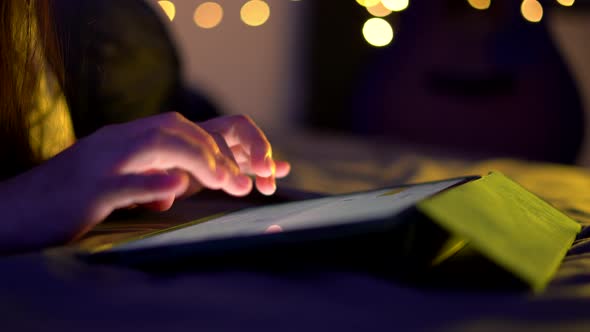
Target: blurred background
(487, 78)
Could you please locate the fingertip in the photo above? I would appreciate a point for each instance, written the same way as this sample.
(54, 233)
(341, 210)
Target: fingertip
(283, 169)
(183, 181)
(244, 181)
(239, 186)
(184, 185)
(160, 206)
(243, 185)
(266, 185)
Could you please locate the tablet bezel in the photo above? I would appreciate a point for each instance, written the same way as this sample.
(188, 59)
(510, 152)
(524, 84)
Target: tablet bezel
(203, 250)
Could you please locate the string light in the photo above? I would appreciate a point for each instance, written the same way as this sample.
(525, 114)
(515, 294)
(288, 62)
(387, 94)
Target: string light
(480, 4)
(567, 3)
(168, 8)
(208, 15)
(379, 10)
(395, 5)
(368, 3)
(377, 32)
(531, 10)
(255, 12)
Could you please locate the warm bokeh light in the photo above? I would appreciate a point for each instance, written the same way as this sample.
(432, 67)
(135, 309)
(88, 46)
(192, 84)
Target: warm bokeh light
(208, 15)
(531, 10)
(378, 32)
(480, 4)
(395, 5)
(168, 8)
(255, 12)
(379, 10)
(368, 3)
(566, 3)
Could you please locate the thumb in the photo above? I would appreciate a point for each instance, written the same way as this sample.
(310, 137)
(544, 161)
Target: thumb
(125, 190)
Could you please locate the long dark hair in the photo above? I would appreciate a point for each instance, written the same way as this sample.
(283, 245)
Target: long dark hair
(26, 31)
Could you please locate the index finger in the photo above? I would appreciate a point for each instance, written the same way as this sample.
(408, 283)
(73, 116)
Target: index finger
(241, 130)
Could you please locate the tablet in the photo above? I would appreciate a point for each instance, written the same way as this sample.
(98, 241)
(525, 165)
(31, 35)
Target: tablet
(283, 224)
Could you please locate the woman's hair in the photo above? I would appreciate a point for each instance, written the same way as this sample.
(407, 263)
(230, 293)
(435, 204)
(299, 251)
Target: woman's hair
(26, 35)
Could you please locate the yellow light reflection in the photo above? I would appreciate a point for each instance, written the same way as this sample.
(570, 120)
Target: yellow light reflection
(480, 4)
(368, 3)
(255, 12)
(379, 10)
(531, 10)
(168, 8)
(378, 32)
(567, 3)
(208, 15)
(395, 5)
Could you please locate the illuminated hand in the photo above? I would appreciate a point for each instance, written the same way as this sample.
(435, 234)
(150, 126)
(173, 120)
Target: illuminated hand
(247, 151)
(148, 161)
(241, 140)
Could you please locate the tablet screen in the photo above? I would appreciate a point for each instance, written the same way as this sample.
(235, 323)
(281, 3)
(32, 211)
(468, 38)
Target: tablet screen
(307, 214)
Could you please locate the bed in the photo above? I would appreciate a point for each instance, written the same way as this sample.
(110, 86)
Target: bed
(52, 290)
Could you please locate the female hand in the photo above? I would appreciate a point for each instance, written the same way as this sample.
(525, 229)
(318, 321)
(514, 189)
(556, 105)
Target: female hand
(147, 161)
(244, 145)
